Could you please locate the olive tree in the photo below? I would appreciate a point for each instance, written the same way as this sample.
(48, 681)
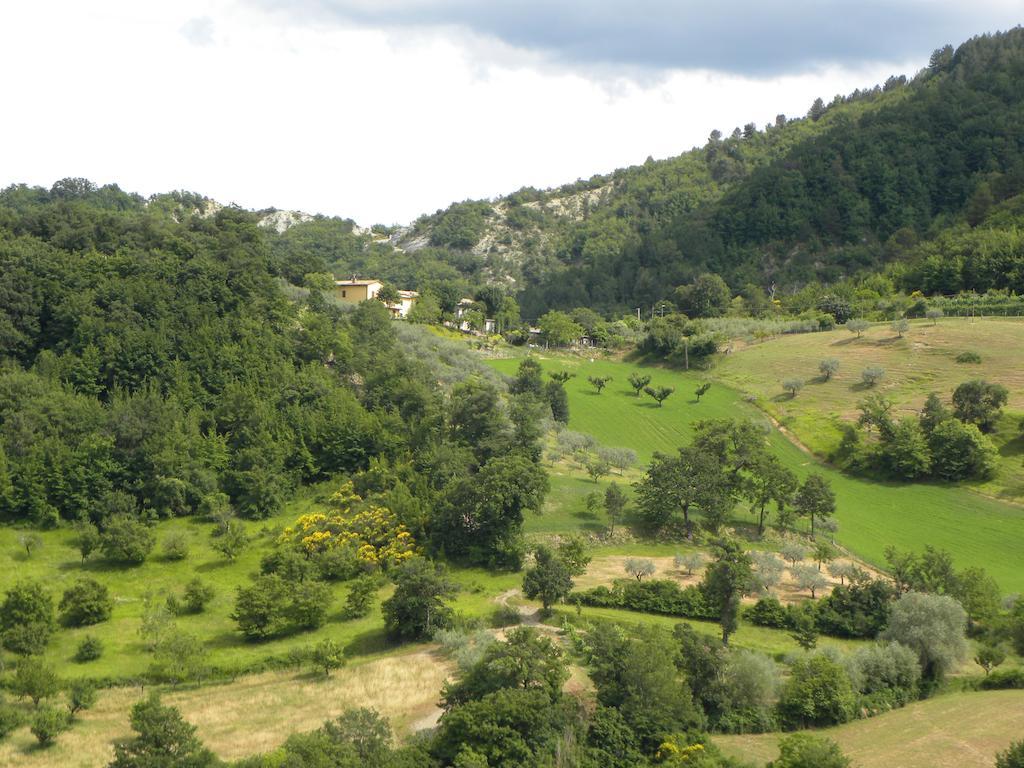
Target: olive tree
(828, 367)
(931, 625)
(638, 568)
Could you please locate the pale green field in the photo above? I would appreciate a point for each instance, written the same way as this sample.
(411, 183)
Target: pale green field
(976, 529)
(923, 361)
(961, 731)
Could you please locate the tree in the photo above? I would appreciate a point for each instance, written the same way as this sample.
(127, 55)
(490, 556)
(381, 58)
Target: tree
(639, 567)
(810, 578)
(691, 561)
(614, 505)
(87, 538)
(907, 451)
(528, 379)
(934, 314)
(231, 541)
(558, 401)
(817, 693)
(805, 634)
(901, 325)
(979, 402)
(34, 680)
(828, 368)
(725, 582)
(561, 377)
(328, 656)
(871, 375)
(767, 570)
(47, 724)
(89, 649)
(163, 739)
(388, 295)
(360, 596)
(417, 606)
(559, 329)
(548, 580)
(702, 390)
(815, 499)
(960, 451)
(857, 326)
(573, 552)
(26, 618)
(597, 468)
(84, 603)
(30, 542)
(933, 627)
(81, 695)
(817, 110)
(978, 593)
(673, 484)
(638, 383)
(793, 386)
(175, 546)
(801, 750)
(824, 552)
(793, 552)
(989, 656)
(769, 482)
(659, 393)
(707, 296)
(126, 540)
(599, 382)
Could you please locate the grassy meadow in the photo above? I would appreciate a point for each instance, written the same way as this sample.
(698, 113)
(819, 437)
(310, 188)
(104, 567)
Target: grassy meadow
(962, 731)
(976, 529)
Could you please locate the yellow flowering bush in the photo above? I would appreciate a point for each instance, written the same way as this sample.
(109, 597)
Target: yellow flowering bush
(374, 532)
(670, 753)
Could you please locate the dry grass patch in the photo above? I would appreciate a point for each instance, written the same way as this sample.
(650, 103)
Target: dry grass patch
(254, 714)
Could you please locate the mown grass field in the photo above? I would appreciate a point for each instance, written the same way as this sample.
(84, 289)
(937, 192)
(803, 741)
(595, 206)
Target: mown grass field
(923, 361)
(976, 529)
(962, 731)
(254, 714)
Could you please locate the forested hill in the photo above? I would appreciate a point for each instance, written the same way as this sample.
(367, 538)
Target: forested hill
(153, 363)
(888, 175)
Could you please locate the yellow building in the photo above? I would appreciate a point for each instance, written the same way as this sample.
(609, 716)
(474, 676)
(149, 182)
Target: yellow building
(354, 291)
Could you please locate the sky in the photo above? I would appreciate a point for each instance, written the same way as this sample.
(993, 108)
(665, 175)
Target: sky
(381, 110)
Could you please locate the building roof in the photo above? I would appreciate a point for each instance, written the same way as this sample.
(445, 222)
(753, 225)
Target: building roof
(409, 294)
(354, 282)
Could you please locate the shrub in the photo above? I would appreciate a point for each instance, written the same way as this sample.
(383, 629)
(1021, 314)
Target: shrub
(886, 675)
(81, 695)
(26, 618)
(1004, 678)
(1013, 757)
(47, 724)
(856, 610)
(360, 597)
(972, 358)
(197, 595)
(85, 602)
(801, 750)
(126, 540)
(818, 693)
(769, 612)
(90, 649)
(10, 719)
(506, 615)
(933, 626)
(662, 596)
(175, 546)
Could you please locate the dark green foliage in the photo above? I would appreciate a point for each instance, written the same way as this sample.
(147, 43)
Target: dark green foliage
(85, 602)
(163, 738)
(34, 680)
(360, 596)
(857, 610)
(549, 580)
(817, 693)
(725, 582)
(1012, 756)
(1004, 679)
(599, 382)
(461, 225)
(663, 596)
(272, 606)
(26, 618)
(126, 540)
(815, 499)
(638, 382)
(90, 649)
(969, 357)
(525, 660)
(197, 595)
(801, 750)
(81, 695)
(327, 656)
(11, 718)
(47, 723)
(979, 402)
(418, 606)
(558, 400)
(660, 394)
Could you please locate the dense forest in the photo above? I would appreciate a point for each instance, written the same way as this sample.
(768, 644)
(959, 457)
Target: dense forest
(918, 179)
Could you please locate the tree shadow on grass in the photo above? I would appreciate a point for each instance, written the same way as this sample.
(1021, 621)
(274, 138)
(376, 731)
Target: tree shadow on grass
(213, 565)
(862, 386)
(1012, 448)
(371, 641)
(783, 397)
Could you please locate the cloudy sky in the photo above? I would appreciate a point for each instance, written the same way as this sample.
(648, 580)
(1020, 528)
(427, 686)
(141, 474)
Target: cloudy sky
(384, 109)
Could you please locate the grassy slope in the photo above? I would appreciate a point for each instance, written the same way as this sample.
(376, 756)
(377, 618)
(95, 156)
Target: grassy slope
(964, 731)
(923, 361)
(977, 530)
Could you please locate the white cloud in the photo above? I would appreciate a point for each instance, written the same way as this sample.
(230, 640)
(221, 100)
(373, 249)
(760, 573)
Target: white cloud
(379, 126)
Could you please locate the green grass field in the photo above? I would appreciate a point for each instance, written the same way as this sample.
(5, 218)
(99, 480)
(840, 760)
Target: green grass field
(962, 731)
(923, 361)
(976, 529)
